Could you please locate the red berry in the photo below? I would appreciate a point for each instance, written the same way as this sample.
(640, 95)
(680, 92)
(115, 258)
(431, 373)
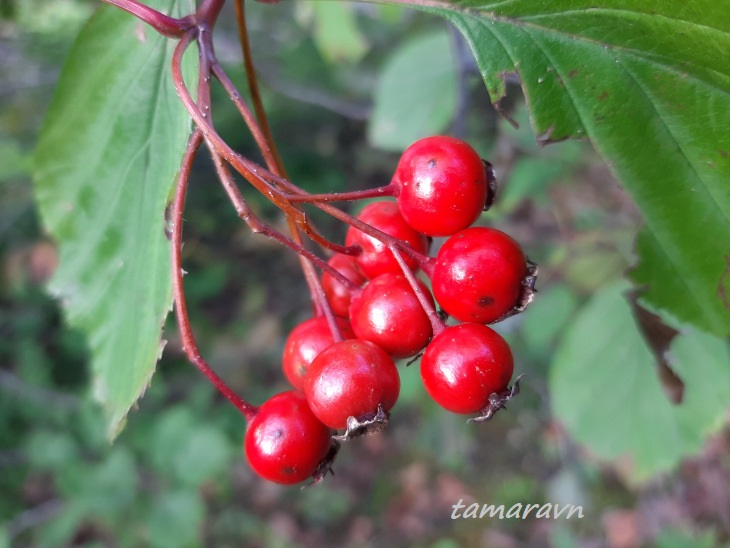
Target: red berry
(388, 313)
(478, 275)
(375, 258)
(337, 294)
(463, 365)
(285, 442)
(350, 379)
(442, 185)
(305, 342)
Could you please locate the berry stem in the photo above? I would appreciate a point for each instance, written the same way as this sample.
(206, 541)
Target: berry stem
(268, 149)
(270, 157)
(259, 227)
(226, 154)
(326, 310)
(427, 266)
(249, 170)
(437, 324)
(252, 172)
(265, 140)
(253, 87)
(186, 333)
(267, 182)
(379, 192)
(340, 215)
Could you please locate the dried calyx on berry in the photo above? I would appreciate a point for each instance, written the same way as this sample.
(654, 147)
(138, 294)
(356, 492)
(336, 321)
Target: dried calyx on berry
(478, 275)
(352, 378)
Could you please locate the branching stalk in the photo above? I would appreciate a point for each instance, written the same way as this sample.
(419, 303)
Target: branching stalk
(164, 24)
(437, 324)
(186, 333)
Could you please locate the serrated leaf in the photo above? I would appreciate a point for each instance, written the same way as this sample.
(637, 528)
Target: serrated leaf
(106, 160)
(416, 94)
(605, 387)
(649, 84)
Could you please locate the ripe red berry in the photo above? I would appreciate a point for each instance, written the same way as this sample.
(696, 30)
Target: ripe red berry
(350, 379)
(463, 365)
(305, 342)
(442, 185)
(337, 294)
(478, 275)
(389, 314)
(375, 258)
(285, 442)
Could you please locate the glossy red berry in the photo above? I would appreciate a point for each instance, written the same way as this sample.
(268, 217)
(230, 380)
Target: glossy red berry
(285, 442)
(350, 379)
(389, 314)
(478, 275)
(305, 342)
(375, 258)
(338, 295)
(463, 365)
(442, 185)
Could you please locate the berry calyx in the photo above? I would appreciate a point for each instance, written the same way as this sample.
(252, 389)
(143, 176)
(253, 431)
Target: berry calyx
(285, 442)
(305, 342)
(478, 275)
(339, 295)
(442, 185)
(375, 258)
(464, 365)
(388, 313)
(351, 378)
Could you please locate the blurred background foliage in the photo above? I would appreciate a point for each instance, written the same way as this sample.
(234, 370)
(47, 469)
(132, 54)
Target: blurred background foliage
(347, 87)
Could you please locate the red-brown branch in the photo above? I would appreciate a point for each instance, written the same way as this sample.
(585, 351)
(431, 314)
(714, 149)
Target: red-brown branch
(164, 24)
(186, 333)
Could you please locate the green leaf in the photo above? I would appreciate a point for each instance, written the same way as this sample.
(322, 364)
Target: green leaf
(336, 32)
(4, 537)
(606, 391)
(675, 538)
(102, 488)
(416, 94)
(205, 454)
(545, 318)
(169, 436)
(110, 485)
(176, 519)
(51, 450)
(648, 83)
(107, 157)
(13, 161)
(60, 530)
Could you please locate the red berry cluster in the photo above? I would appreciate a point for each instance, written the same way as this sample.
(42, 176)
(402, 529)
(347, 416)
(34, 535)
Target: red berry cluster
(341, 365)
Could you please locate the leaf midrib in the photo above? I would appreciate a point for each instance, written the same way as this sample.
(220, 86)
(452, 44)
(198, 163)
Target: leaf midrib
(491, 8)
(669, 62)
